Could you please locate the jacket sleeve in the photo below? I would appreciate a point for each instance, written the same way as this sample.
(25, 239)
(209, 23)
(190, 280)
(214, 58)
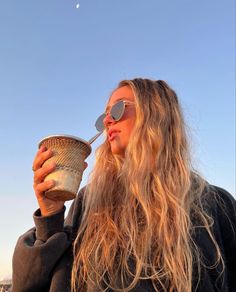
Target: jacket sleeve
(39, 252)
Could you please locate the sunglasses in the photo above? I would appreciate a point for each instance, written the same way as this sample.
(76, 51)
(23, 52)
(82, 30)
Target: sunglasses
(116, 113)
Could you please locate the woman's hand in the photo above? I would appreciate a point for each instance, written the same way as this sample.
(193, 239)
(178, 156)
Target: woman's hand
(47, 206)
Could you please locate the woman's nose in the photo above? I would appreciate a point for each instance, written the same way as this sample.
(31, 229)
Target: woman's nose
(108, 120)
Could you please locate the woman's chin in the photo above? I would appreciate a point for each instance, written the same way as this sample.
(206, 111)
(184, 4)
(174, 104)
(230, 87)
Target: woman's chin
(117, 150)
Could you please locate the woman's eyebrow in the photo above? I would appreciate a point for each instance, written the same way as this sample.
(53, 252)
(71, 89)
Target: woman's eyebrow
(118, 99)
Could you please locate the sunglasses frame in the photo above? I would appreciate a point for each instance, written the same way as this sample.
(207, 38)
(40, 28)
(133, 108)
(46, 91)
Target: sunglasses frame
(99, 122)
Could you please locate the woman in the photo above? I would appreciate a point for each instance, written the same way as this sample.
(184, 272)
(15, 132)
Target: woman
(146, 221)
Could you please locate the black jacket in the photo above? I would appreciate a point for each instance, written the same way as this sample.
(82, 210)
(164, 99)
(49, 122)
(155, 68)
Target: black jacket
(43, 256)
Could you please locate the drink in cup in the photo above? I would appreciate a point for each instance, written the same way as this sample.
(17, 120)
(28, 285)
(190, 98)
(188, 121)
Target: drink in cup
(69, 154)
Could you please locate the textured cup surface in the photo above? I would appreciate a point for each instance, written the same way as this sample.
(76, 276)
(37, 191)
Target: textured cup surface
(69, 153)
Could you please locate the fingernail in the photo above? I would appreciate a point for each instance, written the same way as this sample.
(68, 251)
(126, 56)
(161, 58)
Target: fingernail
(43, 148)
(52, 164)
(51, 183)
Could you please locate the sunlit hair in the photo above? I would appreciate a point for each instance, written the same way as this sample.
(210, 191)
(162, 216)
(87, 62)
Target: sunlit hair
(136, 220)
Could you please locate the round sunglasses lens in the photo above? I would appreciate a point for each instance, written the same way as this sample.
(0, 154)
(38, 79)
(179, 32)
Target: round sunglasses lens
(99, 123)
(117, 110)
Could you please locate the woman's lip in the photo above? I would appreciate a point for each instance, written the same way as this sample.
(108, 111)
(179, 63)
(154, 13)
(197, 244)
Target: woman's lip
(112, 135)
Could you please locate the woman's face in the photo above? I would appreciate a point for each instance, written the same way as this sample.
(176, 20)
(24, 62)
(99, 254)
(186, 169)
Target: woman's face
(118, 132)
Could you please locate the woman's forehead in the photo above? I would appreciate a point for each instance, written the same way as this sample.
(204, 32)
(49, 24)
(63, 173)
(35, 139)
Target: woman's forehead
(122, 93)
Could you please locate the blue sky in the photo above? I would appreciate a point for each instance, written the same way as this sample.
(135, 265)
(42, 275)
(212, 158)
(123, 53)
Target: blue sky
(58, 65)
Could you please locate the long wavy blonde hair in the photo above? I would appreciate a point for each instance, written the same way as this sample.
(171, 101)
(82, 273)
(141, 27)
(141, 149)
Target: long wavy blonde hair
(136, 221)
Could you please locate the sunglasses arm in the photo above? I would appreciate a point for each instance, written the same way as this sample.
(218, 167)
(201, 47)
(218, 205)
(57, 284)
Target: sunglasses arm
(95, 137)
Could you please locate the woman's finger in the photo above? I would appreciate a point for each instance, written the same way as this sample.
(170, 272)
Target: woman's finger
(85, 165)
(40, 174)
(43, 187)
(41, 157)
